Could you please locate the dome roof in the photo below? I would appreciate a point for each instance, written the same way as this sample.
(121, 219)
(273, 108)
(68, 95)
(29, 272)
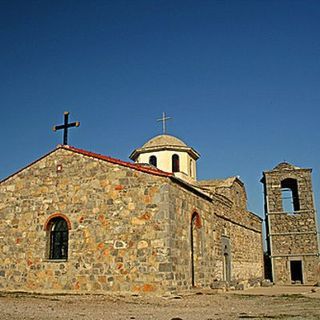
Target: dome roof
(164, 140)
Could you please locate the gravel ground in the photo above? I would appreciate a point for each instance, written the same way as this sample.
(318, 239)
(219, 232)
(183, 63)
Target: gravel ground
(260, 303)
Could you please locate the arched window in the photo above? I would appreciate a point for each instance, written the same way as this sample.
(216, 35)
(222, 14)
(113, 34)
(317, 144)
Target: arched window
(58, 237)
(153, 160)
(290, 196)
(175, 163)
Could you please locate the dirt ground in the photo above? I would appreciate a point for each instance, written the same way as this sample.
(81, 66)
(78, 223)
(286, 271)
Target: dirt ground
(259, 303)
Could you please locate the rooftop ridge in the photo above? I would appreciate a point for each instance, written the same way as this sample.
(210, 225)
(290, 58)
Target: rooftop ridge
(135, 166)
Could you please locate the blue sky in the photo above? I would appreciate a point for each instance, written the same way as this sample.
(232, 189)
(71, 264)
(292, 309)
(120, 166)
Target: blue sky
(240, 79)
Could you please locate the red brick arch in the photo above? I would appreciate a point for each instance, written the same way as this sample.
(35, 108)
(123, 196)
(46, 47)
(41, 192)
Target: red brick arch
(195, 215)
(56, 215)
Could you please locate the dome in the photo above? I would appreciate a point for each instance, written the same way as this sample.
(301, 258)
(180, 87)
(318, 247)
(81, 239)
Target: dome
(164, 140)
(168, 154)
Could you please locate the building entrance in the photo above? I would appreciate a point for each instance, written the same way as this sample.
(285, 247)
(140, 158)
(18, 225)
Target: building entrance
(296, 271)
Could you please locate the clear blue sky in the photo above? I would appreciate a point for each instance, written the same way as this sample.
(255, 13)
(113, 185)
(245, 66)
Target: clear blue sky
(240, 78)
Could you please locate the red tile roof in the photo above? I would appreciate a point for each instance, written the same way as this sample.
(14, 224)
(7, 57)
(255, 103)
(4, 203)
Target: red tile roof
(135, 166)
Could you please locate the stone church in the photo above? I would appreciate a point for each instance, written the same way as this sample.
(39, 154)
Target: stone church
(77, 221)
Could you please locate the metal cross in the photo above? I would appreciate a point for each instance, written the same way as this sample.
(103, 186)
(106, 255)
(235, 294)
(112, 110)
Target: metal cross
(65, 127)
(164, 119)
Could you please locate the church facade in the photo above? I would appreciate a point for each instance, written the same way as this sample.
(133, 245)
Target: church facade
(76, 221)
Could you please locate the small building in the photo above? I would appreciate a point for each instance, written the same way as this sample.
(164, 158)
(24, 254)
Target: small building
(291, 225)
(76, 221)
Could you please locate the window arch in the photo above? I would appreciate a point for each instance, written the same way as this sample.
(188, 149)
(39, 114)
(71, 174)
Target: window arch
(289, 195)
(175, 163)
(153, 160)
(195, 219)
(58, 236)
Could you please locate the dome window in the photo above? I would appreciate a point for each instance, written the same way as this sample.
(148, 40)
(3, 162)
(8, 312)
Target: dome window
(175, 163)
(153, 161)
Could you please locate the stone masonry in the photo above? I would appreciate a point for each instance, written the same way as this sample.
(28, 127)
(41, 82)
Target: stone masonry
(292, 238)
(132, 229)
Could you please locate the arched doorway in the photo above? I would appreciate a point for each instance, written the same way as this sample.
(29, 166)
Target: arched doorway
(195, 246)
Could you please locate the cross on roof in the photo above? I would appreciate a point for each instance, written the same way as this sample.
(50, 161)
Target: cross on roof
(164, 119)
(65, 127)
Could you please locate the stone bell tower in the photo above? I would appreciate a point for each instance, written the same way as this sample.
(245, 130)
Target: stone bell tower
(291, 225)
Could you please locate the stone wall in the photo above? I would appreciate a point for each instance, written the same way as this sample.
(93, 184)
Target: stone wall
(118, 227)
(130, 231)
(218, 220)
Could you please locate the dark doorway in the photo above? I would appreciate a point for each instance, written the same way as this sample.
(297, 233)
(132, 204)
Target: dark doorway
(226, 267)
(267, 266)
(226, 252)
(296, 271)
(195, 246)
(192, 257)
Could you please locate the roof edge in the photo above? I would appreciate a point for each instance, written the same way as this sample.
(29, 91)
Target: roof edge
(136, 152)
(133, 166)
(28, 165)
(130, 165)
(224, 183)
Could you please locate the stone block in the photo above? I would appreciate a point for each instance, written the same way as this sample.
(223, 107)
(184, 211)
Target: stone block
(142, 244)
(165, 267)
(240, 286)
(118, 244)
(218, 285)
(266, 283)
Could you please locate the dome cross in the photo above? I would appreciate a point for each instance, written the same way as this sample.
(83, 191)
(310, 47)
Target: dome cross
(164, 119)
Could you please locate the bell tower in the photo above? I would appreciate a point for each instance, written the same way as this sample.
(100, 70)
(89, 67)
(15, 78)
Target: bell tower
(291, 225)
